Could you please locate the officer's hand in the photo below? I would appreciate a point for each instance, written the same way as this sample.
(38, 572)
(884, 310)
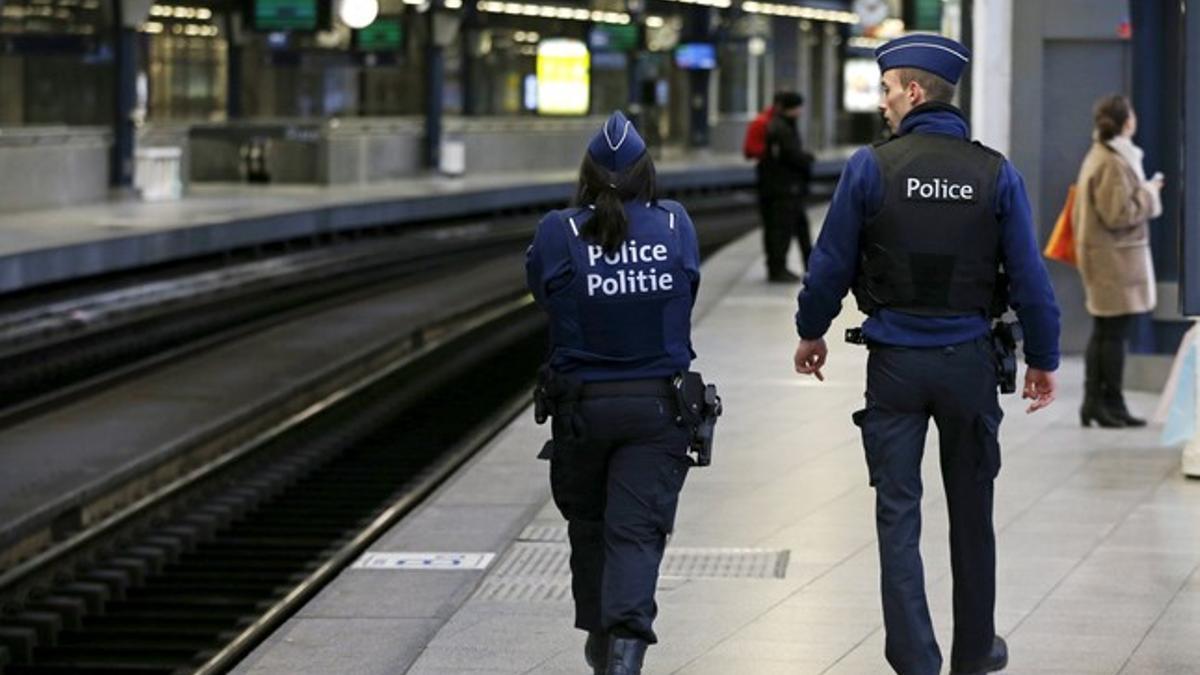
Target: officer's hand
(1039, 387)
(810, 357)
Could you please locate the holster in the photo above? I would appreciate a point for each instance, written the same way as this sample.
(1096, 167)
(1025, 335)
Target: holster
(1004, 339)
(558, 396)
(699, 407)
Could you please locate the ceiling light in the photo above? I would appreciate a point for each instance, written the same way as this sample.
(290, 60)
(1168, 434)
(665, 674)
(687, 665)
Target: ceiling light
(358, 14)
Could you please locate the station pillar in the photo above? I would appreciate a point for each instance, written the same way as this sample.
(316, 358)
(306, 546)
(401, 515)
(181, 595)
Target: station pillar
(633, 69)
(699, 28)
(127, 16)
(442, 26)
(1189, 179)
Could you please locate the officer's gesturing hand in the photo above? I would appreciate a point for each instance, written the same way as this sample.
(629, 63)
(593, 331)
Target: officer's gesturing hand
(1039, 387)
(810, 357)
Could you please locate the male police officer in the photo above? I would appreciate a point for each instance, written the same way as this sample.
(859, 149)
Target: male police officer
(919, 226)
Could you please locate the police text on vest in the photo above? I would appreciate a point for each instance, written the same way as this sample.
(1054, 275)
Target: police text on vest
(938, 189)
(623, 280)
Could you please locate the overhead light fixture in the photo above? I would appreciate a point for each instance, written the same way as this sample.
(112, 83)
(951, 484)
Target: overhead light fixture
(358, 14)
(799, 12)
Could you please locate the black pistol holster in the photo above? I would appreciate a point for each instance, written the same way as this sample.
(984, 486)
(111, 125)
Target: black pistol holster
(1004, 339)
(557, 396)
(699, 408)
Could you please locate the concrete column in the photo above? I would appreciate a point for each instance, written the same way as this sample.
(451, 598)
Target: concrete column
(124, 100)
(233, 66)
(991, 73)
(831, 78)
(752, 94)
(804, 81)
(1189, 240)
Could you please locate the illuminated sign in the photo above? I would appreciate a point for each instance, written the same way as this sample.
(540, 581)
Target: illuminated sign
(696, 56)
(286, 14)
(613, 37)
(385, 34)
(860, 85)
(562, 77)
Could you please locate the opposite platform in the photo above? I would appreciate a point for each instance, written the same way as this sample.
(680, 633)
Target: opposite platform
(47, 246)
(773, 567)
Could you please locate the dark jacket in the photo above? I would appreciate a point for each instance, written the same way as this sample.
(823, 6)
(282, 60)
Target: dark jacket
(784, 169)
(859, 195)
(623, 316)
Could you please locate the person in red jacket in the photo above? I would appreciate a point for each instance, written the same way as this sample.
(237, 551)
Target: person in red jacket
(783, 174)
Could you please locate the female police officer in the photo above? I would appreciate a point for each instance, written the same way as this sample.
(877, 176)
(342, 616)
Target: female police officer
(618, 275)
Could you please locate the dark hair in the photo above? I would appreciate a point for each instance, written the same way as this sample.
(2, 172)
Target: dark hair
(1110, 115)
(788, 99)
(606, 191)
(936, 89)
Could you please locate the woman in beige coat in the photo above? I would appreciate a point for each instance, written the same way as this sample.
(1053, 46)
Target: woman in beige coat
(1113, 206)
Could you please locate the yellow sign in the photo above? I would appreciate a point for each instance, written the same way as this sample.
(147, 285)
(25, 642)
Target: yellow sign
(562, 77)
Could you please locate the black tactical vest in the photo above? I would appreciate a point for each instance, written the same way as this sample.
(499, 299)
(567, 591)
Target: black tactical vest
(933, 249)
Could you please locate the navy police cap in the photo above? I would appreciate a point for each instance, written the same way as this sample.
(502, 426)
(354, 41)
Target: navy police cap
(939, 55)
(617, 145)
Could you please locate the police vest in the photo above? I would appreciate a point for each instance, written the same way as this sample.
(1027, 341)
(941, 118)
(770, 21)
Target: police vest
(631, 306)
(933, 249)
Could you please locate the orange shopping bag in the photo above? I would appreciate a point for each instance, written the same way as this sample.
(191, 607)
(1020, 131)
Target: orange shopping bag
(1061, 246)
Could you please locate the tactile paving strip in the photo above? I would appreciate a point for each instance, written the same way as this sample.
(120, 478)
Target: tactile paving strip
(537, 567)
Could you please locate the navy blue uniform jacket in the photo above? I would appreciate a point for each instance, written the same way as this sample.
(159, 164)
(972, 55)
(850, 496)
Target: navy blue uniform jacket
(834, 261)
(620, 316)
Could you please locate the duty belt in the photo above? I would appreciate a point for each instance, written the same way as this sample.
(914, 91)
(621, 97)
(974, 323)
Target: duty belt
(651, 388)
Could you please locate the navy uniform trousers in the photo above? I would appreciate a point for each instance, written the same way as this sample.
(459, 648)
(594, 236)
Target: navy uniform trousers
(957, 387)
(616, 478)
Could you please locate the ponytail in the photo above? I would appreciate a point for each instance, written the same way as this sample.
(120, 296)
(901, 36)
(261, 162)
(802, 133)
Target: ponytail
(606, 192)
(608, 226)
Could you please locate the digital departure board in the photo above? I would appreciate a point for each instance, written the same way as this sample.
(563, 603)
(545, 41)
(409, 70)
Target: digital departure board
(385, 33)
(613, 37)
(696, 56)
(276, 15)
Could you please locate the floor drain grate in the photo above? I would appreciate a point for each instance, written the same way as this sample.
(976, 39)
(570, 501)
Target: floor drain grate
(537, 568)
(544, 533)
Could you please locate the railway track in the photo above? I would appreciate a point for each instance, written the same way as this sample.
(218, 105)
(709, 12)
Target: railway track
(73, 343)
(181, 583)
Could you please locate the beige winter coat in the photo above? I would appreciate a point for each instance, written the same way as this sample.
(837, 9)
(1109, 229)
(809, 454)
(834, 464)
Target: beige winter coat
(1112, 235)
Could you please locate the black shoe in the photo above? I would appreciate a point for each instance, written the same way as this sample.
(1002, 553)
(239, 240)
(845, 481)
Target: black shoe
(1116, 409)
(1094, 410)
(1129, 420)
(783, 277)
(595, 651)
(625, 655)
(996, 660)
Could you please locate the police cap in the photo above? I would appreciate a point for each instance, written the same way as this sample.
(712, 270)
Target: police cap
(939, 55)
(617, 145)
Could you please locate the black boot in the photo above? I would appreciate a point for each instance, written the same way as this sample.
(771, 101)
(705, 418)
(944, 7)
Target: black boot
(1112, 381)
(1112, 367)
(595, 651)
(1093, 409)
(625, 655)
(1115, 403)
(997, 659)
(782, 276)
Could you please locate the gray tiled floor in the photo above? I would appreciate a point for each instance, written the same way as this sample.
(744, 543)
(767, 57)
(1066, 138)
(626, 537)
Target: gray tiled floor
(1099, 535)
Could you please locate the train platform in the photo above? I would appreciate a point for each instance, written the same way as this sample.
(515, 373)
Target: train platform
(773, 565)
(57, 245)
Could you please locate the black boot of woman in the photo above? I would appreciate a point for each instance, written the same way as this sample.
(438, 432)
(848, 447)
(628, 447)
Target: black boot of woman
(1094, 408)
(1112, 369)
